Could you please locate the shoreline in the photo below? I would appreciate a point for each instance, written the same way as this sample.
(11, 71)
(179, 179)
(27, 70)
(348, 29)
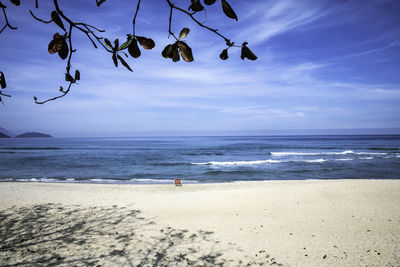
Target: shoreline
(169, 182)
(336, 222)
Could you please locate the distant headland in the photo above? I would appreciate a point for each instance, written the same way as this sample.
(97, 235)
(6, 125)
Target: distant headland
(4, 135)
(32, 135)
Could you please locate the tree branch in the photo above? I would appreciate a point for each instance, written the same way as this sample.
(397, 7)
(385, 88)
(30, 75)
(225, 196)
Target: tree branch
(170, 21)
(93, 35)
(87, 30)
(6, 19)
(56, 97)
(134, 18)
(191, 15)
(38, 19)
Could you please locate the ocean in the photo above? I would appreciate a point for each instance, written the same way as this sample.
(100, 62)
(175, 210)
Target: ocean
(205, 159)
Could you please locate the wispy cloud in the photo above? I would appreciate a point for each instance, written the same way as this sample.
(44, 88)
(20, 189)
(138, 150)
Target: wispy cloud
(272, 18)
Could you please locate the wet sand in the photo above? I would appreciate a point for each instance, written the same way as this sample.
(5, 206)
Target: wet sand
(288, 223)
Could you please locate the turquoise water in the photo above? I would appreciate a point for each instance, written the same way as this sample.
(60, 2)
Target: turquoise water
(200, 159)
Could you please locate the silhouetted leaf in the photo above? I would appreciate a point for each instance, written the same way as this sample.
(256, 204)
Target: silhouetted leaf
(226, 7)
(116, 44)
(186, 52)
(196, 6)
(108, 43)
(224, 54)
(2, 80)
(184, 32)
(114, 57)
(209, 2)
(57, 20)
(68, 77)
(77, 75)
(99, 2)
(126, 44)
(124, 62)
(167, 52)
(52, 47)
(63, 52)
(246, 53)
(56, 44)
(175, 53)
(16, 2)
(146, 43)
(133, 49)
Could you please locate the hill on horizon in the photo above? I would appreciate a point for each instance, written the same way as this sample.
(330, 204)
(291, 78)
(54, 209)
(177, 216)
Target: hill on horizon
(32, 134)
(4, 135)
(6, 132)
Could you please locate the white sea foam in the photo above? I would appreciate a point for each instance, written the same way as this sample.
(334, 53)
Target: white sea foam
(367, 158)
(255, 162)
(347, 152)
(157, 181)
(251, 162)
(343, 159)
(290, 153)
(97, 180)
(371, 153)
(160, 181)
(315, 160)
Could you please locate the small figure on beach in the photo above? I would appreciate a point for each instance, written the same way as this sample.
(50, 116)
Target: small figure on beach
(178, 182)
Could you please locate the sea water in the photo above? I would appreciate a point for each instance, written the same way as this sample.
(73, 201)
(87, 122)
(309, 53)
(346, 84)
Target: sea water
(200, 159)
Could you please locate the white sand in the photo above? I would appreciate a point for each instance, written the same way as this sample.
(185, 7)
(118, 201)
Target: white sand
(293, 223)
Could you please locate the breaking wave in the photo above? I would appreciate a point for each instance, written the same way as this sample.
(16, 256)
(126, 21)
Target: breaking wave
(347, 152)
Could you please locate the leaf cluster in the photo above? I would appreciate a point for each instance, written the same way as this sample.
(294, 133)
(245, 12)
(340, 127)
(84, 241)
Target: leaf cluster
(197, 6)
(179, 49)
(61, 43)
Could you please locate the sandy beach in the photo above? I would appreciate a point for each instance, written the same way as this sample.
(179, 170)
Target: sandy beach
(287, 223)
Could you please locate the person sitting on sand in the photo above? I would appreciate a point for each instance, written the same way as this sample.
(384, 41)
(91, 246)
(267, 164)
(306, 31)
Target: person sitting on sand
(178, 182)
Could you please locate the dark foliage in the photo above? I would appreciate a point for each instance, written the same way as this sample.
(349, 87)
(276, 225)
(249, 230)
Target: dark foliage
(62, 43)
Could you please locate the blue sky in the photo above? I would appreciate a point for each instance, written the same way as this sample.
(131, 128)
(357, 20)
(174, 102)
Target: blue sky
(321, 65)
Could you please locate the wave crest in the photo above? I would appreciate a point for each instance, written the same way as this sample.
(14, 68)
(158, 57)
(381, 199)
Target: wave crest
(346, 152)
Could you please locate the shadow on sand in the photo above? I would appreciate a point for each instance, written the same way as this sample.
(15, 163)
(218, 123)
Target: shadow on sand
(60, 235)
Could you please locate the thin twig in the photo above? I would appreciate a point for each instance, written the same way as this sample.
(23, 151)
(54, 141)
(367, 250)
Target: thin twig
(88, 25)
(3, 94)
(134, 18)
(170, 21)
(87, 29)
(191, 15)
(56, 97)
(6, 19)
(70, 48)
(41, 20)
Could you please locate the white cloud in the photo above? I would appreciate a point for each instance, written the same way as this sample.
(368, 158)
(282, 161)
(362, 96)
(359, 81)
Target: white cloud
(273, 18)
